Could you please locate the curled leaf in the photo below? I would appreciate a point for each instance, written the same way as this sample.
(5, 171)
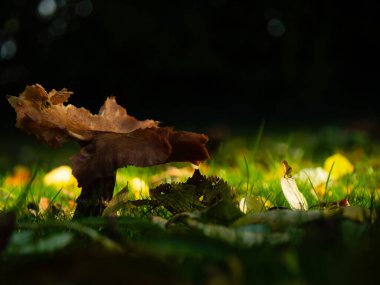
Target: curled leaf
(44, 115)
(289, 187)
(294, 197)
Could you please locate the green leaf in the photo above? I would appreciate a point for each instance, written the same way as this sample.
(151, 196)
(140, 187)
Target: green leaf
(197, 193)
(25, 242)
(280, 219)
(224, 212)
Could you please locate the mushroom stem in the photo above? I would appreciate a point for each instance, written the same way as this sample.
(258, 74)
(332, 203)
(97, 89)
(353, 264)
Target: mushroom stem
(94, 197)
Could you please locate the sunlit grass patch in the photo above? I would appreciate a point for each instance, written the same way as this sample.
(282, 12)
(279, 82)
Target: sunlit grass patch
(251, 165)
(41, 189)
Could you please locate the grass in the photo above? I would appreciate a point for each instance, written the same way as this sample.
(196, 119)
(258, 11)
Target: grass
(133, 248)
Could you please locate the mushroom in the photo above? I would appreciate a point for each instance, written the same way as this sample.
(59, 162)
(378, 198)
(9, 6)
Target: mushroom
(109, 140)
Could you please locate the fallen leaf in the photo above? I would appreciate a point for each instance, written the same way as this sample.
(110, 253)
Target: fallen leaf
(46, 206)
(25, 242)
(318, 178)
(289, 187)
(139, 188)
(280, 219)
(254, 204)
(20, 176)
(242, 235)
(61, 177)
(294, 197)
(117, 203)
(342, 166)
(320, 191)
(316, 175)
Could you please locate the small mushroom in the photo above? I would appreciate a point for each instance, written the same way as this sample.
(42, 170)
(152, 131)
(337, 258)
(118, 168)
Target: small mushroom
(109, 140)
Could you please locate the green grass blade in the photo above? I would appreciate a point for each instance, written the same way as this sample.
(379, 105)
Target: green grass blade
(20, 203)
(327, 181)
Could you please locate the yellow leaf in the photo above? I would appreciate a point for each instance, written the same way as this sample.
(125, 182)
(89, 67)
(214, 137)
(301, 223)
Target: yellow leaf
(254, 204)
(320, 190)
(342, 166)
(139, 188)
(61, 177)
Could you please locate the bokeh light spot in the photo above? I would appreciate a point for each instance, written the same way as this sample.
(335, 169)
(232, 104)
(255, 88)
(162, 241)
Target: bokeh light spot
(60, 176)
(8, 49)
(58, 27)
(276, 28)
(84, 8)
(46, 8)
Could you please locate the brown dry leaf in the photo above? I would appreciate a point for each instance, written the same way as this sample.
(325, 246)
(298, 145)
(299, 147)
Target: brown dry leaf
(109, 140)
(44, 115)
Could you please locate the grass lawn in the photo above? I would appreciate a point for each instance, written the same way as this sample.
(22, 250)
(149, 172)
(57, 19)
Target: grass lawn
(254, 234)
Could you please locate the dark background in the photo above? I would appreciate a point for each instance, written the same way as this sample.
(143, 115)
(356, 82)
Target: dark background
(198, 62)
